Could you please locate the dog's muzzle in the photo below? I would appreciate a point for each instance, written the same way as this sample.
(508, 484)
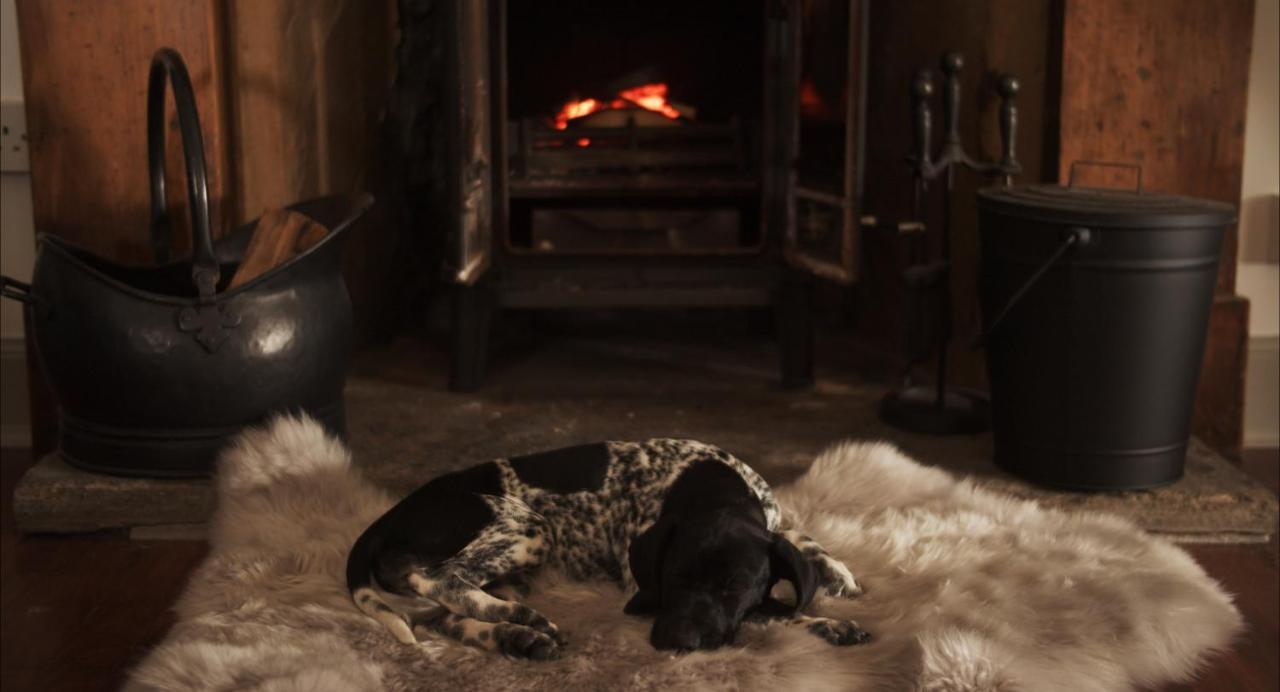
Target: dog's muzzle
(697, 626)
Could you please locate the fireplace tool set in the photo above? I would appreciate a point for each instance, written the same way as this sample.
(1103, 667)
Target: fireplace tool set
(940, 409)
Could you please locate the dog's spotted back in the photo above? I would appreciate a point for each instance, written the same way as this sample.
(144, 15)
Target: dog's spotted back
(596, 498)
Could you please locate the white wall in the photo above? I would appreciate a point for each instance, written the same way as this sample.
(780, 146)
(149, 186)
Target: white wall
(17, 238)
(1260, 194)
(1258, 275)
(10, 68)
(1258, 222)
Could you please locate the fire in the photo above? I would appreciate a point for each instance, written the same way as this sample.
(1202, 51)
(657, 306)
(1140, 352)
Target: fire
(650, 97)
(577, 109)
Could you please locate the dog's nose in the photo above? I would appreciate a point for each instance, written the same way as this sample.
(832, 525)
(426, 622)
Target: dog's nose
(674, 636)
(688, 636)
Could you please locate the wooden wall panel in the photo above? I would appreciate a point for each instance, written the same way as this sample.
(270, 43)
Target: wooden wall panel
(1219, 414)
(311, 81)
(1163, 83)
(1160, 83)
(85, 67)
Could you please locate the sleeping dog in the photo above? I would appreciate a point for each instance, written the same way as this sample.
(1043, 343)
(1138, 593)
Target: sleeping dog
(687, 528)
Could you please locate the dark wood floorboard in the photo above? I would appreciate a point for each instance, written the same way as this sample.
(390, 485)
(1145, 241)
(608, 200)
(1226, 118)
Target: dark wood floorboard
(1249, 572)
(77, 612)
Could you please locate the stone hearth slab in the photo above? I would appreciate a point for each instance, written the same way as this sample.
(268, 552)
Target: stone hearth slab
(405, 427)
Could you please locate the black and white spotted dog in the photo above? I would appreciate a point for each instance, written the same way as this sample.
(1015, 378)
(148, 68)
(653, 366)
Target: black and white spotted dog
(693, 531)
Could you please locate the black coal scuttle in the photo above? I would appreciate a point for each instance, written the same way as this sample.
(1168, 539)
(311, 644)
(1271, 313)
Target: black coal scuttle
(154, 368)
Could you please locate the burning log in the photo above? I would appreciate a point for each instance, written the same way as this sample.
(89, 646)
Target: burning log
(645, 105)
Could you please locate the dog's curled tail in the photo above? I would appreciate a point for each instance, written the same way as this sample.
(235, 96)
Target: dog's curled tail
(367, 598)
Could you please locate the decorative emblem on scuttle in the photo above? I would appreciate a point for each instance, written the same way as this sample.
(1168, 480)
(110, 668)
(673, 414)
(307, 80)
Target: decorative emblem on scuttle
(209, 323)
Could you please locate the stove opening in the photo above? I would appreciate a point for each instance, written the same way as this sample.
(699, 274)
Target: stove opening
(634, 127)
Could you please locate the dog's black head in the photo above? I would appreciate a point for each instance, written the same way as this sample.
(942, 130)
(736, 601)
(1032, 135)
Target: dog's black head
(701, 577)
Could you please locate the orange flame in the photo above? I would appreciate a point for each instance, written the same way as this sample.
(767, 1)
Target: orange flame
(576, 109)
(650, 97)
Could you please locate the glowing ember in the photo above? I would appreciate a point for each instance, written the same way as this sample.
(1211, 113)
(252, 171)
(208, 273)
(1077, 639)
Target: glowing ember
(812, 104)
(650, 97)
(584, 142)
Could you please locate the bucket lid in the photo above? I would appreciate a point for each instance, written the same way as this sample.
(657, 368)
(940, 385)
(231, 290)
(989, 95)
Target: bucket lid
(1105, 208)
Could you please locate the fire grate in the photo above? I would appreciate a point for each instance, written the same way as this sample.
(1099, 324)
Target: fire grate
(631, 148)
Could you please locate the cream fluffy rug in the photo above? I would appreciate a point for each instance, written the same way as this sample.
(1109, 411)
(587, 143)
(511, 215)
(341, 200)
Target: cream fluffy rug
(966, 590)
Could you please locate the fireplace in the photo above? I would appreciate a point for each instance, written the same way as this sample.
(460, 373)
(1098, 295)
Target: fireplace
(632, 174)
(650, 154)
(629, 132)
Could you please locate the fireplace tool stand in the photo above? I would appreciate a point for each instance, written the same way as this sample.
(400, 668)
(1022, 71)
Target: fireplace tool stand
(939, 409)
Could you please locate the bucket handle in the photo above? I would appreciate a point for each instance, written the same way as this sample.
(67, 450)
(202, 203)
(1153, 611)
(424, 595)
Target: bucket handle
(204, 271)
(1071, 173)
(21, 291)
(1071, 237)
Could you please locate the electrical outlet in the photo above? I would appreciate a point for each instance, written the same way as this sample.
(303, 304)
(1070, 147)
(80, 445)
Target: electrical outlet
(13, 138)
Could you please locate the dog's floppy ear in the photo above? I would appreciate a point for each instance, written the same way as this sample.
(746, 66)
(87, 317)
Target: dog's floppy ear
(786, 563)
(645, 556)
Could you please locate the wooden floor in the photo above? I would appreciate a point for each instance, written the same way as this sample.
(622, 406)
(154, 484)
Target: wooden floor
(77, 612)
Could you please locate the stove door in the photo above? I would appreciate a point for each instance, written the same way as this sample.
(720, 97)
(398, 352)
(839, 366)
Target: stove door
(826, 115)
(469, 153)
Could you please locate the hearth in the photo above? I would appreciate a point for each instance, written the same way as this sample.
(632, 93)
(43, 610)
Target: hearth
(650, 154)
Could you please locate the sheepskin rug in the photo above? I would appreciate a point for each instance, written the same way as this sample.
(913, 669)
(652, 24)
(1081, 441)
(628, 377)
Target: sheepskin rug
(966, 590)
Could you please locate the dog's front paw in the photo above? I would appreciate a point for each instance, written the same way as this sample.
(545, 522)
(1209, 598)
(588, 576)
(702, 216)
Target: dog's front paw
(519, 641)
(839, 632)
(838, 579)
(844, 589)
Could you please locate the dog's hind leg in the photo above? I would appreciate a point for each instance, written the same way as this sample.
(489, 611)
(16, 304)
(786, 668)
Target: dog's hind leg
(833, 575)
(435, 613)
(505, 637)
(516, 542)
(458, 593)
(512, 587)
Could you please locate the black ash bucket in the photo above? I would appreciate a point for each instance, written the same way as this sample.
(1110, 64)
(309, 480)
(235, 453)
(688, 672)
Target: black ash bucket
(1097, 306)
